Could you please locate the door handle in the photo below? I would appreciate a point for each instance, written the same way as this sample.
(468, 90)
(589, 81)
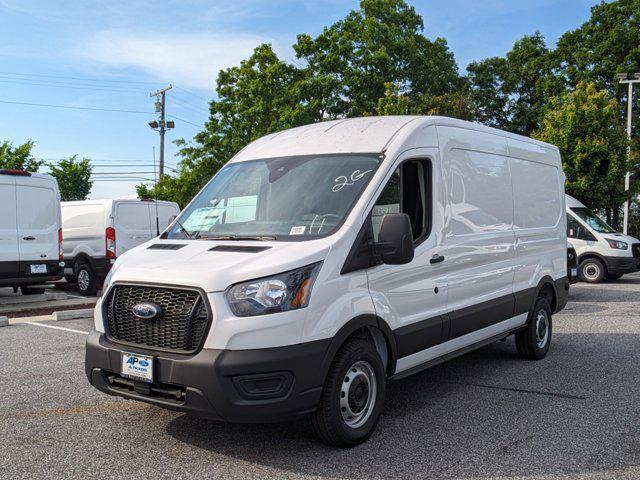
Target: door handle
(436, 259)
(28, 238)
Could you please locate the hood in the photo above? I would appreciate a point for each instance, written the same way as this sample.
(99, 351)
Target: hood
(213, 265)
(621, 237)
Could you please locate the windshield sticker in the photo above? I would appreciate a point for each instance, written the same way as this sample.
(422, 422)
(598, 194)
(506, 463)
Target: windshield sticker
(297, 230)
(343, 181)
(203, 219)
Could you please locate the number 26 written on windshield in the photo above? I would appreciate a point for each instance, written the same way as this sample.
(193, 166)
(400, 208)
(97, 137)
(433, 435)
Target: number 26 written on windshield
(342, 181)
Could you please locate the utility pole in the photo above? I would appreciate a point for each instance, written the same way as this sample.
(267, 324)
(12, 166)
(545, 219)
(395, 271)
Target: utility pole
(161, 126)
(623, 78)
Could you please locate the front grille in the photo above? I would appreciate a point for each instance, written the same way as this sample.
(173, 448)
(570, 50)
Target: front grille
(180, 328)
(635, 248)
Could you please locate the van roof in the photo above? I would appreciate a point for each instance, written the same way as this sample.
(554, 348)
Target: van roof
(573, 203)
(108, 201)
(17, 173)
(355, 135)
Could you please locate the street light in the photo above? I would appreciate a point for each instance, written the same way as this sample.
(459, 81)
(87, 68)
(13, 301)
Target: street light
(624, 78)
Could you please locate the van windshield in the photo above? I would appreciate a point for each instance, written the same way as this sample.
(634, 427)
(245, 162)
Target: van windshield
(286, 198)
(593, 220)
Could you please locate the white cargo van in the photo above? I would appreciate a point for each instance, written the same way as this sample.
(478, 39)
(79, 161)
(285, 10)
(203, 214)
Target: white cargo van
(96, 232)
(602, 252)
(30, 234)
(323, 260)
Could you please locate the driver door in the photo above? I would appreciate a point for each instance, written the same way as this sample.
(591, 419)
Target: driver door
(411, 297)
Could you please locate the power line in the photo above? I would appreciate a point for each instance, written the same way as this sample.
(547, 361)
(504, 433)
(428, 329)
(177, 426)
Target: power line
(86, 79)
(69, 86)
(50, 105)
(185, 121)
(191, 93)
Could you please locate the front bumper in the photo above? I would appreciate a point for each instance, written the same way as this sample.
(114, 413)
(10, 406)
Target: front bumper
(622, 265)
(239, 386)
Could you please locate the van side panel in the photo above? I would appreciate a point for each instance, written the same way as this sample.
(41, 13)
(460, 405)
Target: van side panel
(9, 255)
(479, 241)
(539, 221)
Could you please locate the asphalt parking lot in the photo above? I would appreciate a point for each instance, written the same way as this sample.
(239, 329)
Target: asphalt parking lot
(486, 415)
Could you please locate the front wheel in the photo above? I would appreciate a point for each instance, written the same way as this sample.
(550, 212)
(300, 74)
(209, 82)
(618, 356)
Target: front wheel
(352, 396)
(534, 341)
(592, 270)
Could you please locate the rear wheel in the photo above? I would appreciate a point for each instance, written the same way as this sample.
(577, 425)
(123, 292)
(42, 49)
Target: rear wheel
(70, 278)
(592, 270)
(88, 282)
(31, 290)
(352, 396)
(534, 341)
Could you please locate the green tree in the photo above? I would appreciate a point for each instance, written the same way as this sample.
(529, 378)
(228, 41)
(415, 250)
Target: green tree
(585, 125)
(18, 157)
(455, 104)
(73, 176)
(510, 92)
(604, 45)
(381, 42)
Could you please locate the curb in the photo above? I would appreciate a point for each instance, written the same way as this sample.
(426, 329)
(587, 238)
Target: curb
(73, 314)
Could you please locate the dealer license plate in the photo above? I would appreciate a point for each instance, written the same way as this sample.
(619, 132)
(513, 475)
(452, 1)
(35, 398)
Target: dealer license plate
(137, 367)
(38, 268)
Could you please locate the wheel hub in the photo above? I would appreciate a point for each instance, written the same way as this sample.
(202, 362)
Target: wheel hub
(591, 271)
(542, 328)
(358, 394)
(83, 280)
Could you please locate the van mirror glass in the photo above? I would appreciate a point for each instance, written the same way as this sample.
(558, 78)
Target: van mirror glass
(395, 239)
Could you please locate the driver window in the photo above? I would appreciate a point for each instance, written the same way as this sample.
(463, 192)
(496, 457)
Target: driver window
(574, 229)
(408, 191)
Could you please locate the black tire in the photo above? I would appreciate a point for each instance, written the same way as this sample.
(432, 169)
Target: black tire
(614, 276)
(25, 290)
(87, 281)
(592, 270)
(533, 343)
(328, 421)
(70, 278)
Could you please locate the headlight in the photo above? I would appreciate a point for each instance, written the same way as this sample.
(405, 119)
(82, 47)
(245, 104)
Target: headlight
(618, 245)
(279, 293)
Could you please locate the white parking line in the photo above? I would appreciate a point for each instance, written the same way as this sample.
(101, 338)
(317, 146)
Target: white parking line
(56, 328)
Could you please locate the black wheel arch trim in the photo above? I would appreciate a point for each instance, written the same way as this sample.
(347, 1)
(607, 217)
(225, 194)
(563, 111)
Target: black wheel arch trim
(352, 326)
(588, 255)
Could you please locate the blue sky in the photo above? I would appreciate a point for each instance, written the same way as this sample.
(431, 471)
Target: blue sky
(111, 55)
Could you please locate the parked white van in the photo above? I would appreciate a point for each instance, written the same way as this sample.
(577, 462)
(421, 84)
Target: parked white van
(30, 234)
(602, 252)
(96, 232)
(323, 260)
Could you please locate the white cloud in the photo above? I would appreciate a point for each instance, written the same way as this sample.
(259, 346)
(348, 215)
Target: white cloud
(187, 59)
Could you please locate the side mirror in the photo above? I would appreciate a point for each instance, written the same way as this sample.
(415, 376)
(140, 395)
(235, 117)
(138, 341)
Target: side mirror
(395, 239)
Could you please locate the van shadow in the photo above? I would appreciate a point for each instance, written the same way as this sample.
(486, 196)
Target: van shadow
(486, 414)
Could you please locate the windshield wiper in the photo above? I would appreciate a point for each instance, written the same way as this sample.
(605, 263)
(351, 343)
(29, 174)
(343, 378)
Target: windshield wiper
(263, 238)
(185, 231)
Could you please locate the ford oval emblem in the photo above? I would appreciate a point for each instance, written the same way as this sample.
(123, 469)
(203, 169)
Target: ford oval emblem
(146, 311)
